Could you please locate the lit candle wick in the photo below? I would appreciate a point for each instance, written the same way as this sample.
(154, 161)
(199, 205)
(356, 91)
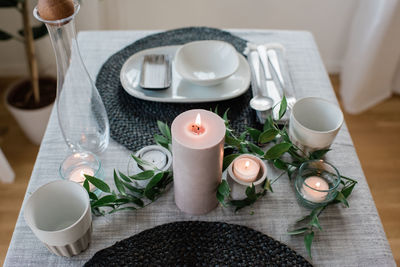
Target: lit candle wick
(247, 164)
(196, 127)
(318, 184)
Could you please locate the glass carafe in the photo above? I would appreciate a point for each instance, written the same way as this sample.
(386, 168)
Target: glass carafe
(81, 113)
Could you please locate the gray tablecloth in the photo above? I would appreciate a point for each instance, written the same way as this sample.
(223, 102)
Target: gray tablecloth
(351, 237)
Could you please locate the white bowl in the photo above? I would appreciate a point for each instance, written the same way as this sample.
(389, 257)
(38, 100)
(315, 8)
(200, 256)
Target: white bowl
(206, 62)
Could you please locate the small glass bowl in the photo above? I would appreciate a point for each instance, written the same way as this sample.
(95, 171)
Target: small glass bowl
(74, 166)
(322, 174)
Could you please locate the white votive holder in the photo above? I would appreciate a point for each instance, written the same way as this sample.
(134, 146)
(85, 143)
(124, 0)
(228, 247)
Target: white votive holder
(75, 166)
(59, 214)
(159, 157)
(238, 187)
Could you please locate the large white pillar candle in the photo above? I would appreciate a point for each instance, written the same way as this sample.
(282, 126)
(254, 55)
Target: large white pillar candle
(311, 186)
(197, 151)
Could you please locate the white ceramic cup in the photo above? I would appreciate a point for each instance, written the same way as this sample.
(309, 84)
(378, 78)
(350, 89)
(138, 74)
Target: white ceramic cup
(59, 215)
(314, 123)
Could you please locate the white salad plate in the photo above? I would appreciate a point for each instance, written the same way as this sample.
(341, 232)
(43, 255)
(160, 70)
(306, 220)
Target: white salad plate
(182, 91)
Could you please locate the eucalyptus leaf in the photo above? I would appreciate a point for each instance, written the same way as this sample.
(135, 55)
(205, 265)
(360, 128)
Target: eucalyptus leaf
(269, 123)
(119, 184)
(221, 199)
(154, 181)
(254, 133)
(102, 186)
(161, 140)
(133, 189)
(308, 238)
(224, 189)
(228, 160)
(283, 107)
(164, 129)
(143, 175)
(144, 164)
(243, 149)
(277, 150)
(251, 192)
(93, 196)
(280, 164)
(347, 190)
(315, 222)
(136, 201)
(297, 231)
(267, 185)
(104, 200)
(225, 116)
(124, 177)
(242, 136)
(255, 149)
(341, 198)
(267, 136)
(86, 185)
(121, 201)
(232, 141)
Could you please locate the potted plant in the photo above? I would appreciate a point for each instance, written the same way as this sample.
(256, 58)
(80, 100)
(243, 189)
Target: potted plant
(30, 100)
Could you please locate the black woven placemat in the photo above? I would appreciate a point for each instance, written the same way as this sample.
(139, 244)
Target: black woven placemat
(196, 243)
(133, 121)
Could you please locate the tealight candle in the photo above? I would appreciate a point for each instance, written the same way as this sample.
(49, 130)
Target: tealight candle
(246, 169)
(75, 166)
(311, 186)
(78, 175)
(197, 151)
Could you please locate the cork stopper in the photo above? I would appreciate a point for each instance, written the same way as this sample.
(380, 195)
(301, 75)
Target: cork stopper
(55, 9)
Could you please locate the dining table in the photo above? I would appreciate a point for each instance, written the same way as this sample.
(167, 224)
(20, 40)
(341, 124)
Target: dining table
(351, 236)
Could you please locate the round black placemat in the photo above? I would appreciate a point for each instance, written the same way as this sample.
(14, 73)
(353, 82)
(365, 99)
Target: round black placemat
(195, 243)
(133, 121)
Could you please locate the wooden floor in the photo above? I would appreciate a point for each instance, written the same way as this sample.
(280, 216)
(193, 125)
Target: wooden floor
(376, 135)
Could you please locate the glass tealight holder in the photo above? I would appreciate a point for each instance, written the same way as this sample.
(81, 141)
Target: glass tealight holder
(316, 183)
(75, 166)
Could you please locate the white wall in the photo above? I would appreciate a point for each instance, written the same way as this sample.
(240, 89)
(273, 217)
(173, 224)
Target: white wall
(328, 20)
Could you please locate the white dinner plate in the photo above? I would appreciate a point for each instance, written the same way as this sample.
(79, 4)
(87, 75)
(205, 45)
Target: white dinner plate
(182, 91)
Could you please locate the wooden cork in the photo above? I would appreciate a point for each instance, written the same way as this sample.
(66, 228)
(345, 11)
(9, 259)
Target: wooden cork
(55, 9)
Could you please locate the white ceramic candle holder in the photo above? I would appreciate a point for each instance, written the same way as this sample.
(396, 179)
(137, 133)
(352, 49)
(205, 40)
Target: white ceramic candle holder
(238, 187)
(59, 215)
(157, 155)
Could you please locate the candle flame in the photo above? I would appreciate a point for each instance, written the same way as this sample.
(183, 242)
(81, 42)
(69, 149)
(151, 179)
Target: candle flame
(247, 164)
(317, 184)
(198, 120)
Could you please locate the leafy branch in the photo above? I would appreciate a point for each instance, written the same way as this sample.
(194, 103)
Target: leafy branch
(128, 195)
(251, 141)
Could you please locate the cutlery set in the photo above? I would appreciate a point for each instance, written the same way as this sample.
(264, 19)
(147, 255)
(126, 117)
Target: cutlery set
(161, 76)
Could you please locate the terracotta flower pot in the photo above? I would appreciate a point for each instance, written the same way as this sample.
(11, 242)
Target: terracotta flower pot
(32, 120)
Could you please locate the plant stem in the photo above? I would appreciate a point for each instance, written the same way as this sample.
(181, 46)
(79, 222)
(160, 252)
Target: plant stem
(30, 52)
